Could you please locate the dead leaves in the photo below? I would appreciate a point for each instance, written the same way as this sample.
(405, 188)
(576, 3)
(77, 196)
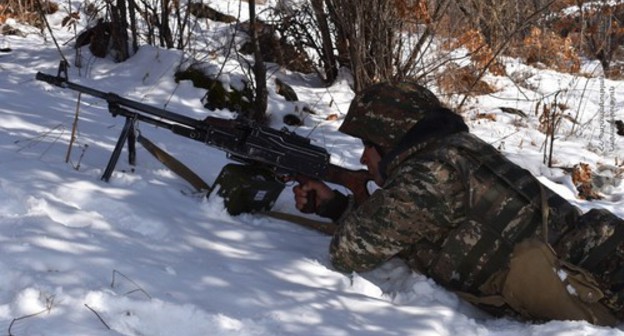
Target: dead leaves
(582, 180)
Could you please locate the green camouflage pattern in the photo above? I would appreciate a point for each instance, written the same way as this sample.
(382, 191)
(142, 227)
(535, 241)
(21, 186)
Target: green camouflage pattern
(454, 210)
(425, 215)
(383, 113)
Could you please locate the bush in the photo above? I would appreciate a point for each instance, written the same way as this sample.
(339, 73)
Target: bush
(480, 52)
(597, 31)
(550, 49)
(464, 81)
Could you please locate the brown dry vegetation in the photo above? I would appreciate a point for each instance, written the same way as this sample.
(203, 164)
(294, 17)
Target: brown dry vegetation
(598, 33)
(550, 49)
(540, 32)
(26, 11)
(463, 80)
(480, 51)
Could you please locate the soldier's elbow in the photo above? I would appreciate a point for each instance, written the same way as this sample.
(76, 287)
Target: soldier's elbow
(344, 264)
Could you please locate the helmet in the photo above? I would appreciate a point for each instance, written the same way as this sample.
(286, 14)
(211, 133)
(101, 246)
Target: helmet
(384, 112)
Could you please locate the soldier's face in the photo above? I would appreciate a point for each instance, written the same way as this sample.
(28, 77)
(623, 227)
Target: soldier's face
(371, 158)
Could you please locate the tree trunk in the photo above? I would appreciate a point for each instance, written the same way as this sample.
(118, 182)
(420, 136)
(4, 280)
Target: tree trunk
(329, 58)
(166, 38)
(259, 69)
(119, 30)
(133, 25)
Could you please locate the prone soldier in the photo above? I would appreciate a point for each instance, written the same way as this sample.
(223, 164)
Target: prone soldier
(456, 210)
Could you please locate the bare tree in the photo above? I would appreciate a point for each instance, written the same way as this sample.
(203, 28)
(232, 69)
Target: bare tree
(379, 40)
(328, 58)
(498, 20)
(259, 68)
(603, 32)
(119, 29)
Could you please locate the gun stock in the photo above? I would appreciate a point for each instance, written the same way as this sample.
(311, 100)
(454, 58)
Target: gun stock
(354, 180)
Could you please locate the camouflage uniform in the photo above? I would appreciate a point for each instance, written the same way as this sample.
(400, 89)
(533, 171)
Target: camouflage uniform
(455, 209)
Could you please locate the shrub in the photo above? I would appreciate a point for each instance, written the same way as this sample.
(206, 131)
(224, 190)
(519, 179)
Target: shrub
(480, 52)
(550, 49)
(26, 11)
(464, 81)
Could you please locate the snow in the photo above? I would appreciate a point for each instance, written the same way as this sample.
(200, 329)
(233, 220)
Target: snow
(143, 255)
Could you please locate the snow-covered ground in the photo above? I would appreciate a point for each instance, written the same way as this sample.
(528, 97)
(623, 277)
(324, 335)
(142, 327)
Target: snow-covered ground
(143, 255)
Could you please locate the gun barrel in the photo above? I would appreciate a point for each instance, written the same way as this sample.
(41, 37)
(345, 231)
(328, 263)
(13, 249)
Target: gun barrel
(64, 83)
(113, 98)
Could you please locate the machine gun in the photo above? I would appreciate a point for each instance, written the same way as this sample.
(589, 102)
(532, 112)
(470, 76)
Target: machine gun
(281, 153)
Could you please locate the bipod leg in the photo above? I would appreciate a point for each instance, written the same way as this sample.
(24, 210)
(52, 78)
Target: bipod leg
(125, 132)
(132, 146)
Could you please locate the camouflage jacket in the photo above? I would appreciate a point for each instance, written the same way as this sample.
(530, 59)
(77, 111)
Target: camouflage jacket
(453, 209)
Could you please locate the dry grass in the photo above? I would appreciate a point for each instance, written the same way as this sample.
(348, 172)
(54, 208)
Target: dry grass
(26, 11)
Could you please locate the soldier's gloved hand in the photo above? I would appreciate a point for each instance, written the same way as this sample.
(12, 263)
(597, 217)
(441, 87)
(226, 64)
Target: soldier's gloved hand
(328, 203)
(311, 191)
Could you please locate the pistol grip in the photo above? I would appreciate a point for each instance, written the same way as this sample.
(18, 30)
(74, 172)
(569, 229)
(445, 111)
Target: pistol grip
(310, 206)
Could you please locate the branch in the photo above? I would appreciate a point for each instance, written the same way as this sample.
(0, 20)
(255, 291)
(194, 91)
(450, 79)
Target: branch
(138, 288)
(43, 17)
(98, 316)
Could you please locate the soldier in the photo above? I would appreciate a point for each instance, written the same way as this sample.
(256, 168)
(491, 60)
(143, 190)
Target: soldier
(456, 210)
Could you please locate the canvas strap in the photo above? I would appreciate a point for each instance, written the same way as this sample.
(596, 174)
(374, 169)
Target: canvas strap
(327, 228)
(174, 164)
(193, 179)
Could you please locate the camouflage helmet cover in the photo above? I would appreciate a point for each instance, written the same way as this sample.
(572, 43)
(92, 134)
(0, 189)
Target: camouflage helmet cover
(384, 112)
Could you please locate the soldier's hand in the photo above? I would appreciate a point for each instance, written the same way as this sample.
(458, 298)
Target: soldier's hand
(312, 191)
